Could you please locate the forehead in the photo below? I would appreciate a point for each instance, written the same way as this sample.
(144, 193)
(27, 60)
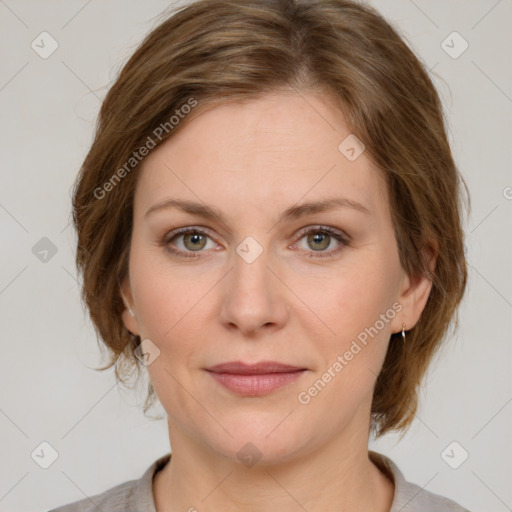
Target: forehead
(271, 151)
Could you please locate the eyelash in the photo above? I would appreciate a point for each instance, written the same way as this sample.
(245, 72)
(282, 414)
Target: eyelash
(343, 240)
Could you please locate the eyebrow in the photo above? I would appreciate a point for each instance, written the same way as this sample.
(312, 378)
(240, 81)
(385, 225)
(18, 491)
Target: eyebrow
(294, 212)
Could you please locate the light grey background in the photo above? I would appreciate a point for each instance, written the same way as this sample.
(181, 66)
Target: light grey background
(49, 391)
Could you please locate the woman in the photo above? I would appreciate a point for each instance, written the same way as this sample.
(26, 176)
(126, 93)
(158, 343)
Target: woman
(269, 222)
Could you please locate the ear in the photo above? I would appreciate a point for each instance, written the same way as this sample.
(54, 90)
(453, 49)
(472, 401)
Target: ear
(129, 314)
(415, 290)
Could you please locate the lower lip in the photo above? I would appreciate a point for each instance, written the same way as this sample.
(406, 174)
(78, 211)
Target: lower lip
(255, 385)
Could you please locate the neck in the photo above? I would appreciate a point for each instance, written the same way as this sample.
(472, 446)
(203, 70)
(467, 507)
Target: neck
(339, 472)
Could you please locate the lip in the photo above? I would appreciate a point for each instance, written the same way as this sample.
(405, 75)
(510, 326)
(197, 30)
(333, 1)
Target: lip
(255, 379)
(263, 367)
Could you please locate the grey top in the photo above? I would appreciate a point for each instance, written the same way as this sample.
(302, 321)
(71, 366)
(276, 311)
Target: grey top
(137, 495)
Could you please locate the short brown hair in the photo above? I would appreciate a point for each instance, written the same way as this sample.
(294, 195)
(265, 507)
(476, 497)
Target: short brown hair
(216, 51)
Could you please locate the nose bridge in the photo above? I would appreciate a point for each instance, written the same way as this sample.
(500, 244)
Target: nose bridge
(253, 297)
(250, 263)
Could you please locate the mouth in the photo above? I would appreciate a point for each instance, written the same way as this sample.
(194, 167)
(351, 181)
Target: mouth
(254, 379)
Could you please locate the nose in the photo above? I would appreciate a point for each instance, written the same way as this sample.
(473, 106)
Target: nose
(254, 298)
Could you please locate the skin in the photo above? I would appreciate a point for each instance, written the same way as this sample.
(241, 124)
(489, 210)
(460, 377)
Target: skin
(252, 161)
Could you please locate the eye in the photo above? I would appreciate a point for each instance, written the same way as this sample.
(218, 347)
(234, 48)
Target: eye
(320, 238)
(189, 240)
(192, 240)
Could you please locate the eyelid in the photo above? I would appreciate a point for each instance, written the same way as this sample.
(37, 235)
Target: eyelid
(320, 227)
(175, 233)
(303, 231)
(340, 236)
(186, 229)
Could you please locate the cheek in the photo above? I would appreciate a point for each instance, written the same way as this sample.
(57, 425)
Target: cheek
(344, 301)
(355, 305)
(167, 296)
(169, 308)
(173, 311)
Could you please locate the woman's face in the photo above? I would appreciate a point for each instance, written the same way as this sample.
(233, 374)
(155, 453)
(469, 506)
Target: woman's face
(254, 283)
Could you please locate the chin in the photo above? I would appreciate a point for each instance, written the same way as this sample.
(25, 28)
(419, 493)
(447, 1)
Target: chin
(259, 442)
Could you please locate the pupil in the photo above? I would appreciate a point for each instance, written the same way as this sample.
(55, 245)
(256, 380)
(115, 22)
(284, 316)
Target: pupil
(320, 239)
(194, 241)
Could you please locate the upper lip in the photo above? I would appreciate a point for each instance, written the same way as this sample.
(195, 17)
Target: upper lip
(264, 367)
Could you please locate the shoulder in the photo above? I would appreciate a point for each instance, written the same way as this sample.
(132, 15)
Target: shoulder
(410, 497)
(130, 495)
(115, 499)
(414, 498)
